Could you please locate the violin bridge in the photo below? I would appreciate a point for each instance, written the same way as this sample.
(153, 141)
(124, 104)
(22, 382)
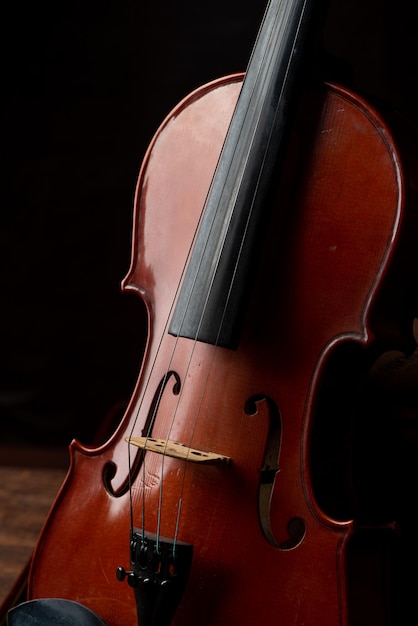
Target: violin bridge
(177, 450)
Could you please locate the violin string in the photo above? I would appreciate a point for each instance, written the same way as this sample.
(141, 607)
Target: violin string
(216, 343)
(187, 369)
(176, 531)
(208, 371)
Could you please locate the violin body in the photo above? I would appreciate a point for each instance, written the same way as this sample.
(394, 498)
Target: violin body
(264, 549)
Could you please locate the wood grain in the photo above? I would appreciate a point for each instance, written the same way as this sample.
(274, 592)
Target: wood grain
(26, 495)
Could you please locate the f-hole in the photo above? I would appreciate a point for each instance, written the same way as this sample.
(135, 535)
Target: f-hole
(110, 469)
(295, 527)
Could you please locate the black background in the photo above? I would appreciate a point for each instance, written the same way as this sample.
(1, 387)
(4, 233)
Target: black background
(85, 85)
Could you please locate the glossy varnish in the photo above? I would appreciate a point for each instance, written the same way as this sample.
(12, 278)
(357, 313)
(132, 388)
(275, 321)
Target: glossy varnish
(280, 558)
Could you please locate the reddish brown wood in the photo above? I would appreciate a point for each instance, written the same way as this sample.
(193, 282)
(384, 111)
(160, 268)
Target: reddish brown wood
(321, 267)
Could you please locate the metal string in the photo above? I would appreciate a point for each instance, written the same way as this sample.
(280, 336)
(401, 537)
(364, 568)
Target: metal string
(153, 417)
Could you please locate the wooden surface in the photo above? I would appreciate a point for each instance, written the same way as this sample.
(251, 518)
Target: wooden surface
(26, 495)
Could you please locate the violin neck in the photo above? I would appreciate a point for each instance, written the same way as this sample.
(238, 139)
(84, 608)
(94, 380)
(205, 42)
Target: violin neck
(210, 303)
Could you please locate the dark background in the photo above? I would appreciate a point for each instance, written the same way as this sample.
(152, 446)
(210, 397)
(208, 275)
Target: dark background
(84, 87)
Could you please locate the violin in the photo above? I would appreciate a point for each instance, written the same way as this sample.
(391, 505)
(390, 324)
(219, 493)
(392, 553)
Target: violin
(267, 214)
